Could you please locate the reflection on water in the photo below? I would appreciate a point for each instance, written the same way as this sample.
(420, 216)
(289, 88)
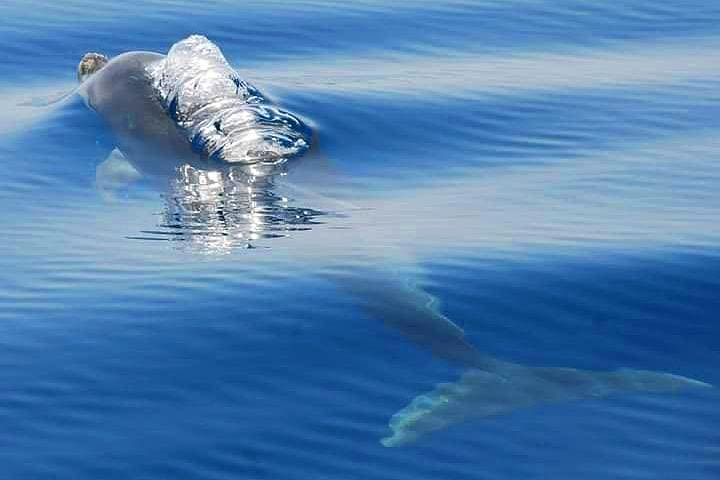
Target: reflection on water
(217, 210)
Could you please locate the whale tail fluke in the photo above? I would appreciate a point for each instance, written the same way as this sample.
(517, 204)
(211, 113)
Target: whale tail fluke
(481, 393)
(490, 386)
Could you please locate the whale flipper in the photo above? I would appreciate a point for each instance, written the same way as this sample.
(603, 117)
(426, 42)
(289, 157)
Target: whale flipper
(114, 173)
(481, 393)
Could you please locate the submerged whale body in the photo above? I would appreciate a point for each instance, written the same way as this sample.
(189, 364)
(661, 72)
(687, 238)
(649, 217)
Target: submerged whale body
(190, 105)
(489, 386)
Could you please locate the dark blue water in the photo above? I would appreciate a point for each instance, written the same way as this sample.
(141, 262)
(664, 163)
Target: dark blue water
(548, 170)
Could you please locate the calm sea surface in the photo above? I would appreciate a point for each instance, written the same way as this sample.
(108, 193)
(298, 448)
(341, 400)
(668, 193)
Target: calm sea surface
(548, 170)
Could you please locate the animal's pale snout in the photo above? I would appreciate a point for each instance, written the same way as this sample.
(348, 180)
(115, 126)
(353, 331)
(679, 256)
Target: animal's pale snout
(90, 63)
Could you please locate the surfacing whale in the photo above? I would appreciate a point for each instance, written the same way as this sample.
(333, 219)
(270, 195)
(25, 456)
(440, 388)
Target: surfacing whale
(188, 106)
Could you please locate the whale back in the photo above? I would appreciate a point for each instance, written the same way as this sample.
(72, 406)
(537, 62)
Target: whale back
(191, 104)
(123, 94)
(222, 116)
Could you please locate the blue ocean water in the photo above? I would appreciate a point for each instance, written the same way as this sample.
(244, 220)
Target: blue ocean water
(547, 170)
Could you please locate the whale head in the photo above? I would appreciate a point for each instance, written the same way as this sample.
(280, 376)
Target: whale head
(90, 63)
